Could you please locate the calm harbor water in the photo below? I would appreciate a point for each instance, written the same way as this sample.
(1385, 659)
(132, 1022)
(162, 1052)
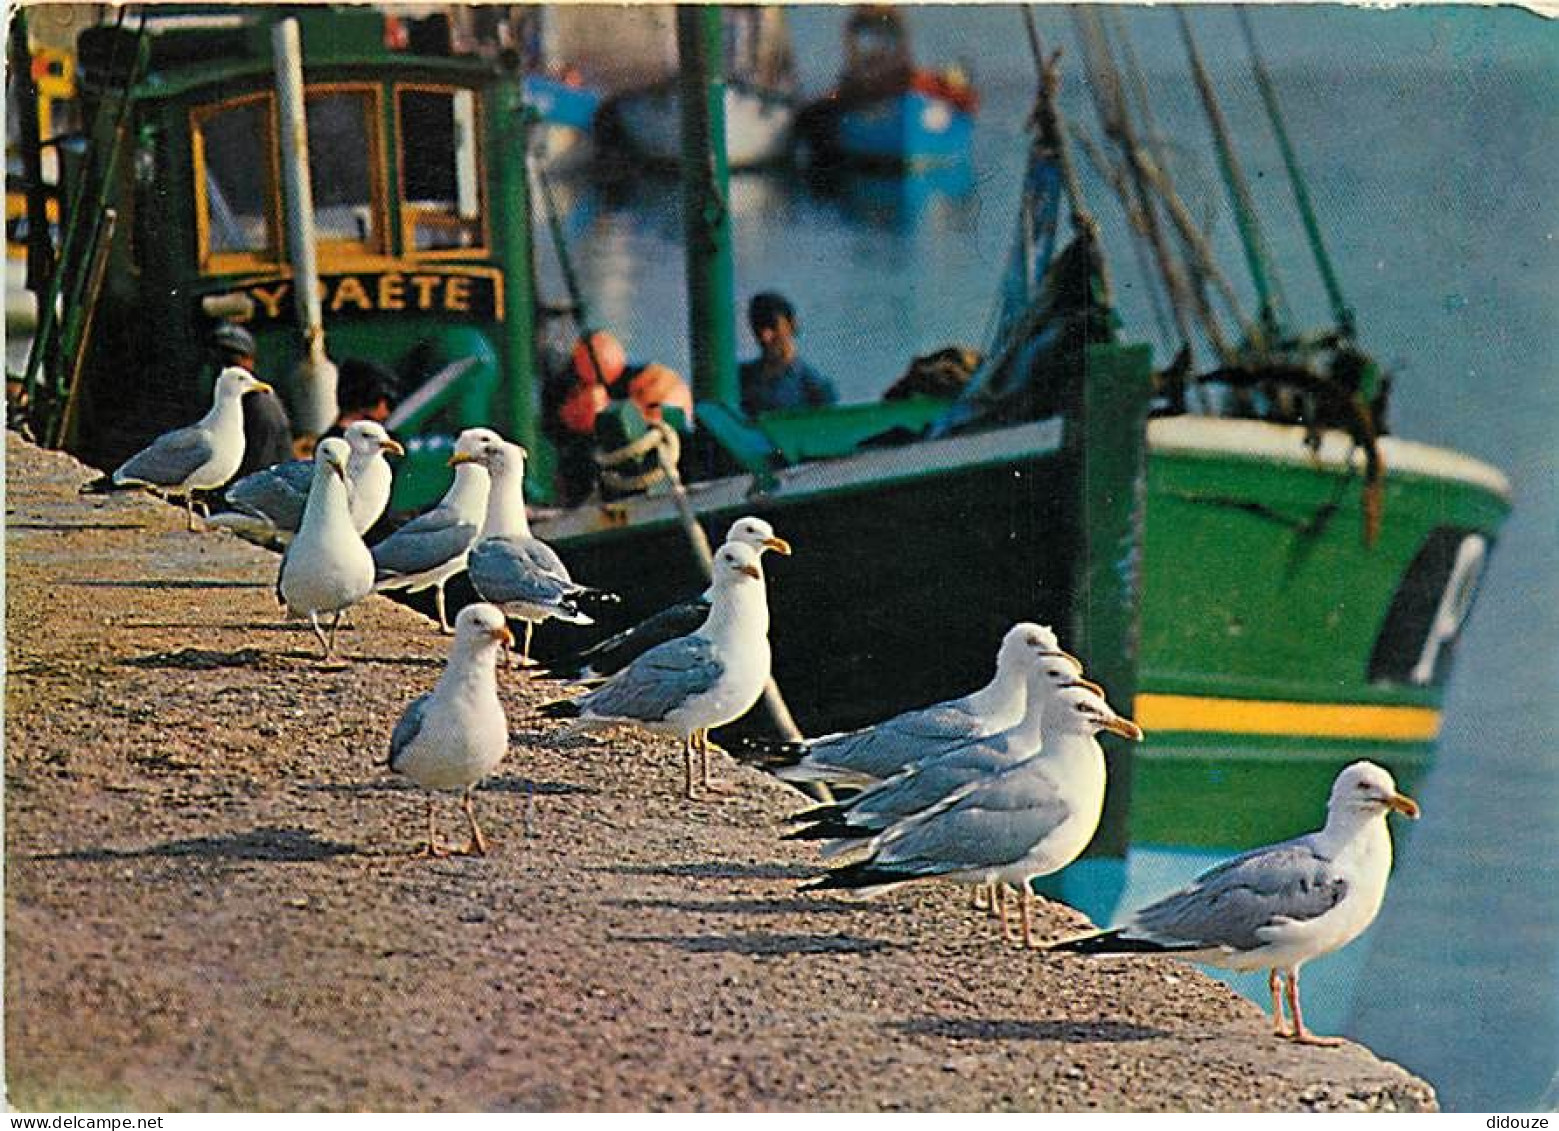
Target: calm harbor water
(1433, 155)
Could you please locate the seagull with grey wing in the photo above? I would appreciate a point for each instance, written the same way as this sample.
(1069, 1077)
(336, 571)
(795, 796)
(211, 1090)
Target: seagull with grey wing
(690, 685)
(432, 548)
(1276, 908)
(868, 755)
(199, 457)
(326, 568)
(509, 566)
(269, 503)
(455, 735)
(1010, 827)
(618, 651)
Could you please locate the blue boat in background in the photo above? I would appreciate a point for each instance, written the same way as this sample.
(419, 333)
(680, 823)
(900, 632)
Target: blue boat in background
(885, 111)
(565, 114)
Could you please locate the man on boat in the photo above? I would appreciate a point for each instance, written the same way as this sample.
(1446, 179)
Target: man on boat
(779, 378)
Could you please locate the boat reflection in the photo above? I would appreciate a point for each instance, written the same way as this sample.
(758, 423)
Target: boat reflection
(941, 196)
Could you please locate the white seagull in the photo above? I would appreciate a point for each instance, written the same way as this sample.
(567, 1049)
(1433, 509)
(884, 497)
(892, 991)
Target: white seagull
(509, 566)
(269, 503)
(862, 757)
(432, 548)
(1275, 908)
(1028, 820)
(199, 457)
(850, 824)
(326, 568)
(689, 685)
(617, 652)
(454, 736)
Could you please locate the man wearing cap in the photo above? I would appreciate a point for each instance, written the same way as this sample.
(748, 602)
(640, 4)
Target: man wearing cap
(778, 378)
(267, 431)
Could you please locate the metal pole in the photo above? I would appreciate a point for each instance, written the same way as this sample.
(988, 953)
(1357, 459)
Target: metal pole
(1340, 308)
(711, 275)
(314, 405)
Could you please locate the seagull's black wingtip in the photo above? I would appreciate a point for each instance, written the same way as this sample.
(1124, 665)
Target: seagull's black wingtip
(560, 709)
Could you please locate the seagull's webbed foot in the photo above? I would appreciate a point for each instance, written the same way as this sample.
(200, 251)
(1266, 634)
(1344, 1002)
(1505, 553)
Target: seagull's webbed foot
(1301, 1035)
(1308, 1038)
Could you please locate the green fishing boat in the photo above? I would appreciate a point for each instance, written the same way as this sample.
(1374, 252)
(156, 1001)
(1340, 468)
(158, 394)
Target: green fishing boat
(1272, 583)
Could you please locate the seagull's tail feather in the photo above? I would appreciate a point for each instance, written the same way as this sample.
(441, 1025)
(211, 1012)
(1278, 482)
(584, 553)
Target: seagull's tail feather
(104, 485)
(799, 773)
(862, 877)
(593, 601)
(1113, 942)
(775, 754)
(559, 709)
(829, 829)
(818, 813)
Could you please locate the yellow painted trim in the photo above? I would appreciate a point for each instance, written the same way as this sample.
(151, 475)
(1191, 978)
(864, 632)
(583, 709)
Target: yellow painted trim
(1316, 720)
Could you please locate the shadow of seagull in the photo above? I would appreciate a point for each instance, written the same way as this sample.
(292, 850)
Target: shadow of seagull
(761, 945)
(283, 845)
(1003, 1029)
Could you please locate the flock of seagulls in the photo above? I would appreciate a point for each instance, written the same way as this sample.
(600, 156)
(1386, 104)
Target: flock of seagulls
(990, 790)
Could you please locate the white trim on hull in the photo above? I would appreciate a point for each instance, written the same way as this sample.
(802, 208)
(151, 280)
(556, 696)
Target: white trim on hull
(1284, 443)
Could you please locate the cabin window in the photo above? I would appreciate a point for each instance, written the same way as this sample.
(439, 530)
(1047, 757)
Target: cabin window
(440, 169)
(234, 192)
(342, 161)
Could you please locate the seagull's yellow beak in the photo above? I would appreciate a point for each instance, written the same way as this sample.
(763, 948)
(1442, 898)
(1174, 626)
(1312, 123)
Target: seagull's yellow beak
(1096, 689)
(462, 457)
(338, 468)
(1403, 804)
(261, 387)
(778, 545)
(392, 445)
(751, 571)
(1124, 727)
(503, 636)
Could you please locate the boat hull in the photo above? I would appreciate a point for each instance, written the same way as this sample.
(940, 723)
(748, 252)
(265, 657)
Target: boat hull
(758, 125)
(908, 129)
(561, 136)
(1278, 643)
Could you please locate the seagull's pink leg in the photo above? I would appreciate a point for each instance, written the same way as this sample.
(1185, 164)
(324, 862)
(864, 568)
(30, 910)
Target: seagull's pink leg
(477, 846)
(432, 848)
(1275, 984)
(1299, 1035)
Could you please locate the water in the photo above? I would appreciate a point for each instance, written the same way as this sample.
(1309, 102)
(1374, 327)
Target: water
(1432, 150)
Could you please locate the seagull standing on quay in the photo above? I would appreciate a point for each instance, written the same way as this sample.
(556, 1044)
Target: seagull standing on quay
(326, 568)
(509, 566)
(617, 652)
(269, 503)
(1275, 908)
(690, 685)
(199, 457)
(870, 754)
(432, 548)
(1028, 820)
(454, 736)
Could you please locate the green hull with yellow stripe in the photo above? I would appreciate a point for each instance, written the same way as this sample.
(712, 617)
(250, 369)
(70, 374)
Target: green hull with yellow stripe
(1277, 641)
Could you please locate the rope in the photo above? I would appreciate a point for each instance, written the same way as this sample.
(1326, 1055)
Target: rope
(661, 435)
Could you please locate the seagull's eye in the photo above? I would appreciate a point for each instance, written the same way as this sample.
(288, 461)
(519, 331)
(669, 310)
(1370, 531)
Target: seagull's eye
(1361, 785)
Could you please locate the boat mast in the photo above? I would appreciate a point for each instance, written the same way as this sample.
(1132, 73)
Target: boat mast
(1341, 311)
(711, 274)
(1257, 256)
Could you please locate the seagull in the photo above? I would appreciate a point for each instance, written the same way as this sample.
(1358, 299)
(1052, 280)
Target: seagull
(453, 737)
(509, 566)
(852, 823)
(862, 757)
(1028, 820)
(1275, 908)
(199, 457)
(707, 679)
(269, 503)
(432, 548)
(326, 567)
(617, 652)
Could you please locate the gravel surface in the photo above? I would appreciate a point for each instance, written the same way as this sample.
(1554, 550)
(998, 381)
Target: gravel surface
(211, 901)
